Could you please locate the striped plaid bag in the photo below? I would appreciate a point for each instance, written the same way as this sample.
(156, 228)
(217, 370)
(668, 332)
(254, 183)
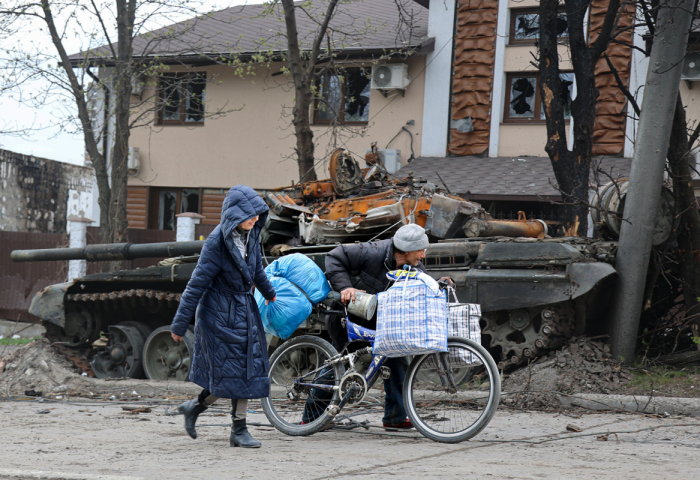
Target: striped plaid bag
(463, 321)
(411, 317)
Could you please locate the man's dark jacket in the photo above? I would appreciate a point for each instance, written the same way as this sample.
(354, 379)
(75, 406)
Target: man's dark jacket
(362, 266)
(230, 352)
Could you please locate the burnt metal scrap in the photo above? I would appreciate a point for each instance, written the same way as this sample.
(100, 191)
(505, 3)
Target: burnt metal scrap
(360, 204)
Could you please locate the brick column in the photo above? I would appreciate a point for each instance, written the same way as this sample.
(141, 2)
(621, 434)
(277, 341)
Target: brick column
(185, 226)
(78, 239)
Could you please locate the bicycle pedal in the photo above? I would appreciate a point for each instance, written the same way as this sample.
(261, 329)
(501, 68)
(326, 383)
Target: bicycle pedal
(385, 373)
(332, 410)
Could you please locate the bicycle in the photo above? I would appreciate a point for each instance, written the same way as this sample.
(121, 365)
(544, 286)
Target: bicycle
(310, 383)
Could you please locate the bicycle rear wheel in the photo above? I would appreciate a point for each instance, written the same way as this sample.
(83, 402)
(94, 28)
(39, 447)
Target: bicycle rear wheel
(452, 416)
(288, 406)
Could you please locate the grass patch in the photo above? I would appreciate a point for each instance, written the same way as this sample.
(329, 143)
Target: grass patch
(18, 341)
(660, 376)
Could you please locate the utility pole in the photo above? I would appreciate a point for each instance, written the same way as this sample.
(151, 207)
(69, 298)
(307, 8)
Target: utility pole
(646, 177)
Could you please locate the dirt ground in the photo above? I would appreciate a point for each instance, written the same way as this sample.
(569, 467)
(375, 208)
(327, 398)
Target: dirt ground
(86, 429)
(582, 366)
(99, 440)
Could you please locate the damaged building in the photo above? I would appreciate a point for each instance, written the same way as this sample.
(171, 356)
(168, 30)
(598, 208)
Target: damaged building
(38, 194)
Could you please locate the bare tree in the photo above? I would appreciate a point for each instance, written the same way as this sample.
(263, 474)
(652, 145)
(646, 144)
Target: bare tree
(108, 31)
(311, 56)
(572, 167)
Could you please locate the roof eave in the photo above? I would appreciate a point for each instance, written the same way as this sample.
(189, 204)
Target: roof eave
(202, 59)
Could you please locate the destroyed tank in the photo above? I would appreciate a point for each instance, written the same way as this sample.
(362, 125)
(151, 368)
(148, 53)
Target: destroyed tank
(534, 294)
(535, 291)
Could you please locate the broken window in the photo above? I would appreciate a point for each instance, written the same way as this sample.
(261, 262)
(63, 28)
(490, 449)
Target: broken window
(181, 98)
(525, 26)
(523, 100)
(342, 97)
(166, 203)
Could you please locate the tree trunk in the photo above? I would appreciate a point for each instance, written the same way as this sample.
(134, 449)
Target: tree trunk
(571, 167)
(689, 229)
(302, 96)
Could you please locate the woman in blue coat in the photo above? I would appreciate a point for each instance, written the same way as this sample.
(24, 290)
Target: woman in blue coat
(230, 352)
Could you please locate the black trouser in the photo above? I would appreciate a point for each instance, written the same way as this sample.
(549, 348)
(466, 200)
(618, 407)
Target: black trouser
(239, 406)
(394, 410)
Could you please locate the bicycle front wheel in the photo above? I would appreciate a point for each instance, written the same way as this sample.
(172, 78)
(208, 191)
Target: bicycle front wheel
(455, 399)
(296, 409)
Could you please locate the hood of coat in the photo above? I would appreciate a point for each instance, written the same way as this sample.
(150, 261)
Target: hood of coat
(240, 204)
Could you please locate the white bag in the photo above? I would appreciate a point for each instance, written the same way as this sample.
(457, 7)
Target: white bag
(411, 317)
(463, 321)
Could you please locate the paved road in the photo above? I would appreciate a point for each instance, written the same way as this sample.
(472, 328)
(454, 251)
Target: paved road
(97, 440)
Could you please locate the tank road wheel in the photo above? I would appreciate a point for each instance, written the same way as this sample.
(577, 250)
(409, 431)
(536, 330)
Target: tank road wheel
(528, 332)
(81, 327)
(165, 359)
(124, 353)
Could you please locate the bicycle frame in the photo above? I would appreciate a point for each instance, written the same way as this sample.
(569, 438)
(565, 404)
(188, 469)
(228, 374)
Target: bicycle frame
(355, 333)
(358, 333)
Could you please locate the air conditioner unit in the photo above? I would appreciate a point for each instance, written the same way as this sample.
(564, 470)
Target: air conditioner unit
(691, 67)
(390, 76)
(133, 161)
(390, 157)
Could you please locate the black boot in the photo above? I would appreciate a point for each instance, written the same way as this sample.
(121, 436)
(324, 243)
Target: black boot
(191, 411)
(240, 437)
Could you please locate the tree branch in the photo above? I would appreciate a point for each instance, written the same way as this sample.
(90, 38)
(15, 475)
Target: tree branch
(622, 86)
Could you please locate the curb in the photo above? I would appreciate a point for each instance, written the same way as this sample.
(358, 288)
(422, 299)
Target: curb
(630, 403)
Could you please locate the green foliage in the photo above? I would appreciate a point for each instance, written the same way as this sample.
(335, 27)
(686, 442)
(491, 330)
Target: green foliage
(18, 341)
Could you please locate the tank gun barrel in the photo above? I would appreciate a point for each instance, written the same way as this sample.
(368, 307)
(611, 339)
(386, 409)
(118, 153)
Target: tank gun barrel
(109, 252)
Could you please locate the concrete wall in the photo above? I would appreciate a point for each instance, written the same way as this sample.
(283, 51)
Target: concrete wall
(252, 146)
(38, 194)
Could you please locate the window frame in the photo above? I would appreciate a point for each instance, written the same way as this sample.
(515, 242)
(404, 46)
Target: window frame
(317, 101)
(527, 41)
(154, 204)
(535, 119)
(183, 100)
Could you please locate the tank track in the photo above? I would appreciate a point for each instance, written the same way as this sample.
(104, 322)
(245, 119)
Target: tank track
(527, 333)
(127, 298)
(77, 359)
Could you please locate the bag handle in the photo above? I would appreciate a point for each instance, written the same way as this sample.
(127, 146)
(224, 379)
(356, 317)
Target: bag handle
(453, 292)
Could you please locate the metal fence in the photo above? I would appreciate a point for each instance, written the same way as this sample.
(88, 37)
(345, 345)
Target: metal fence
(201, 232)
(19, 282)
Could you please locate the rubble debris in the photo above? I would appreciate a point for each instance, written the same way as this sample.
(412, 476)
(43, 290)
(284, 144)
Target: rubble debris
(38, 367)
(581, 366)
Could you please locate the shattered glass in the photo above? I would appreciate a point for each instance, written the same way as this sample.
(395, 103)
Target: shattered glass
(330, 96)
(357, 97)
(522, 97)
(527, 26)
(170, 98)
(567, 85)
(194, 102)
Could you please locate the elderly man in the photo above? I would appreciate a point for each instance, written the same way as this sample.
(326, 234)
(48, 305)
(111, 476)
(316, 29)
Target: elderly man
(363, 268)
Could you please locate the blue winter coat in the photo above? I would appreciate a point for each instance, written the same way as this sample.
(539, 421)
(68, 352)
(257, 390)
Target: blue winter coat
(230, 352)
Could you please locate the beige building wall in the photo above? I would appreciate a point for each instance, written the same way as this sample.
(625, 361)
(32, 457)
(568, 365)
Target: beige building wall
(523, 139)
(691, 100)
(252, 146)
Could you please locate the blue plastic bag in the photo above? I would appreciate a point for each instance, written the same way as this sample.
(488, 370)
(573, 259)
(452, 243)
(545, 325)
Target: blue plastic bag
(284, 315)
(302, 272)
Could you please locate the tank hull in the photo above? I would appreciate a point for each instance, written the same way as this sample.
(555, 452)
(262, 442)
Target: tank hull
(523, 287)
